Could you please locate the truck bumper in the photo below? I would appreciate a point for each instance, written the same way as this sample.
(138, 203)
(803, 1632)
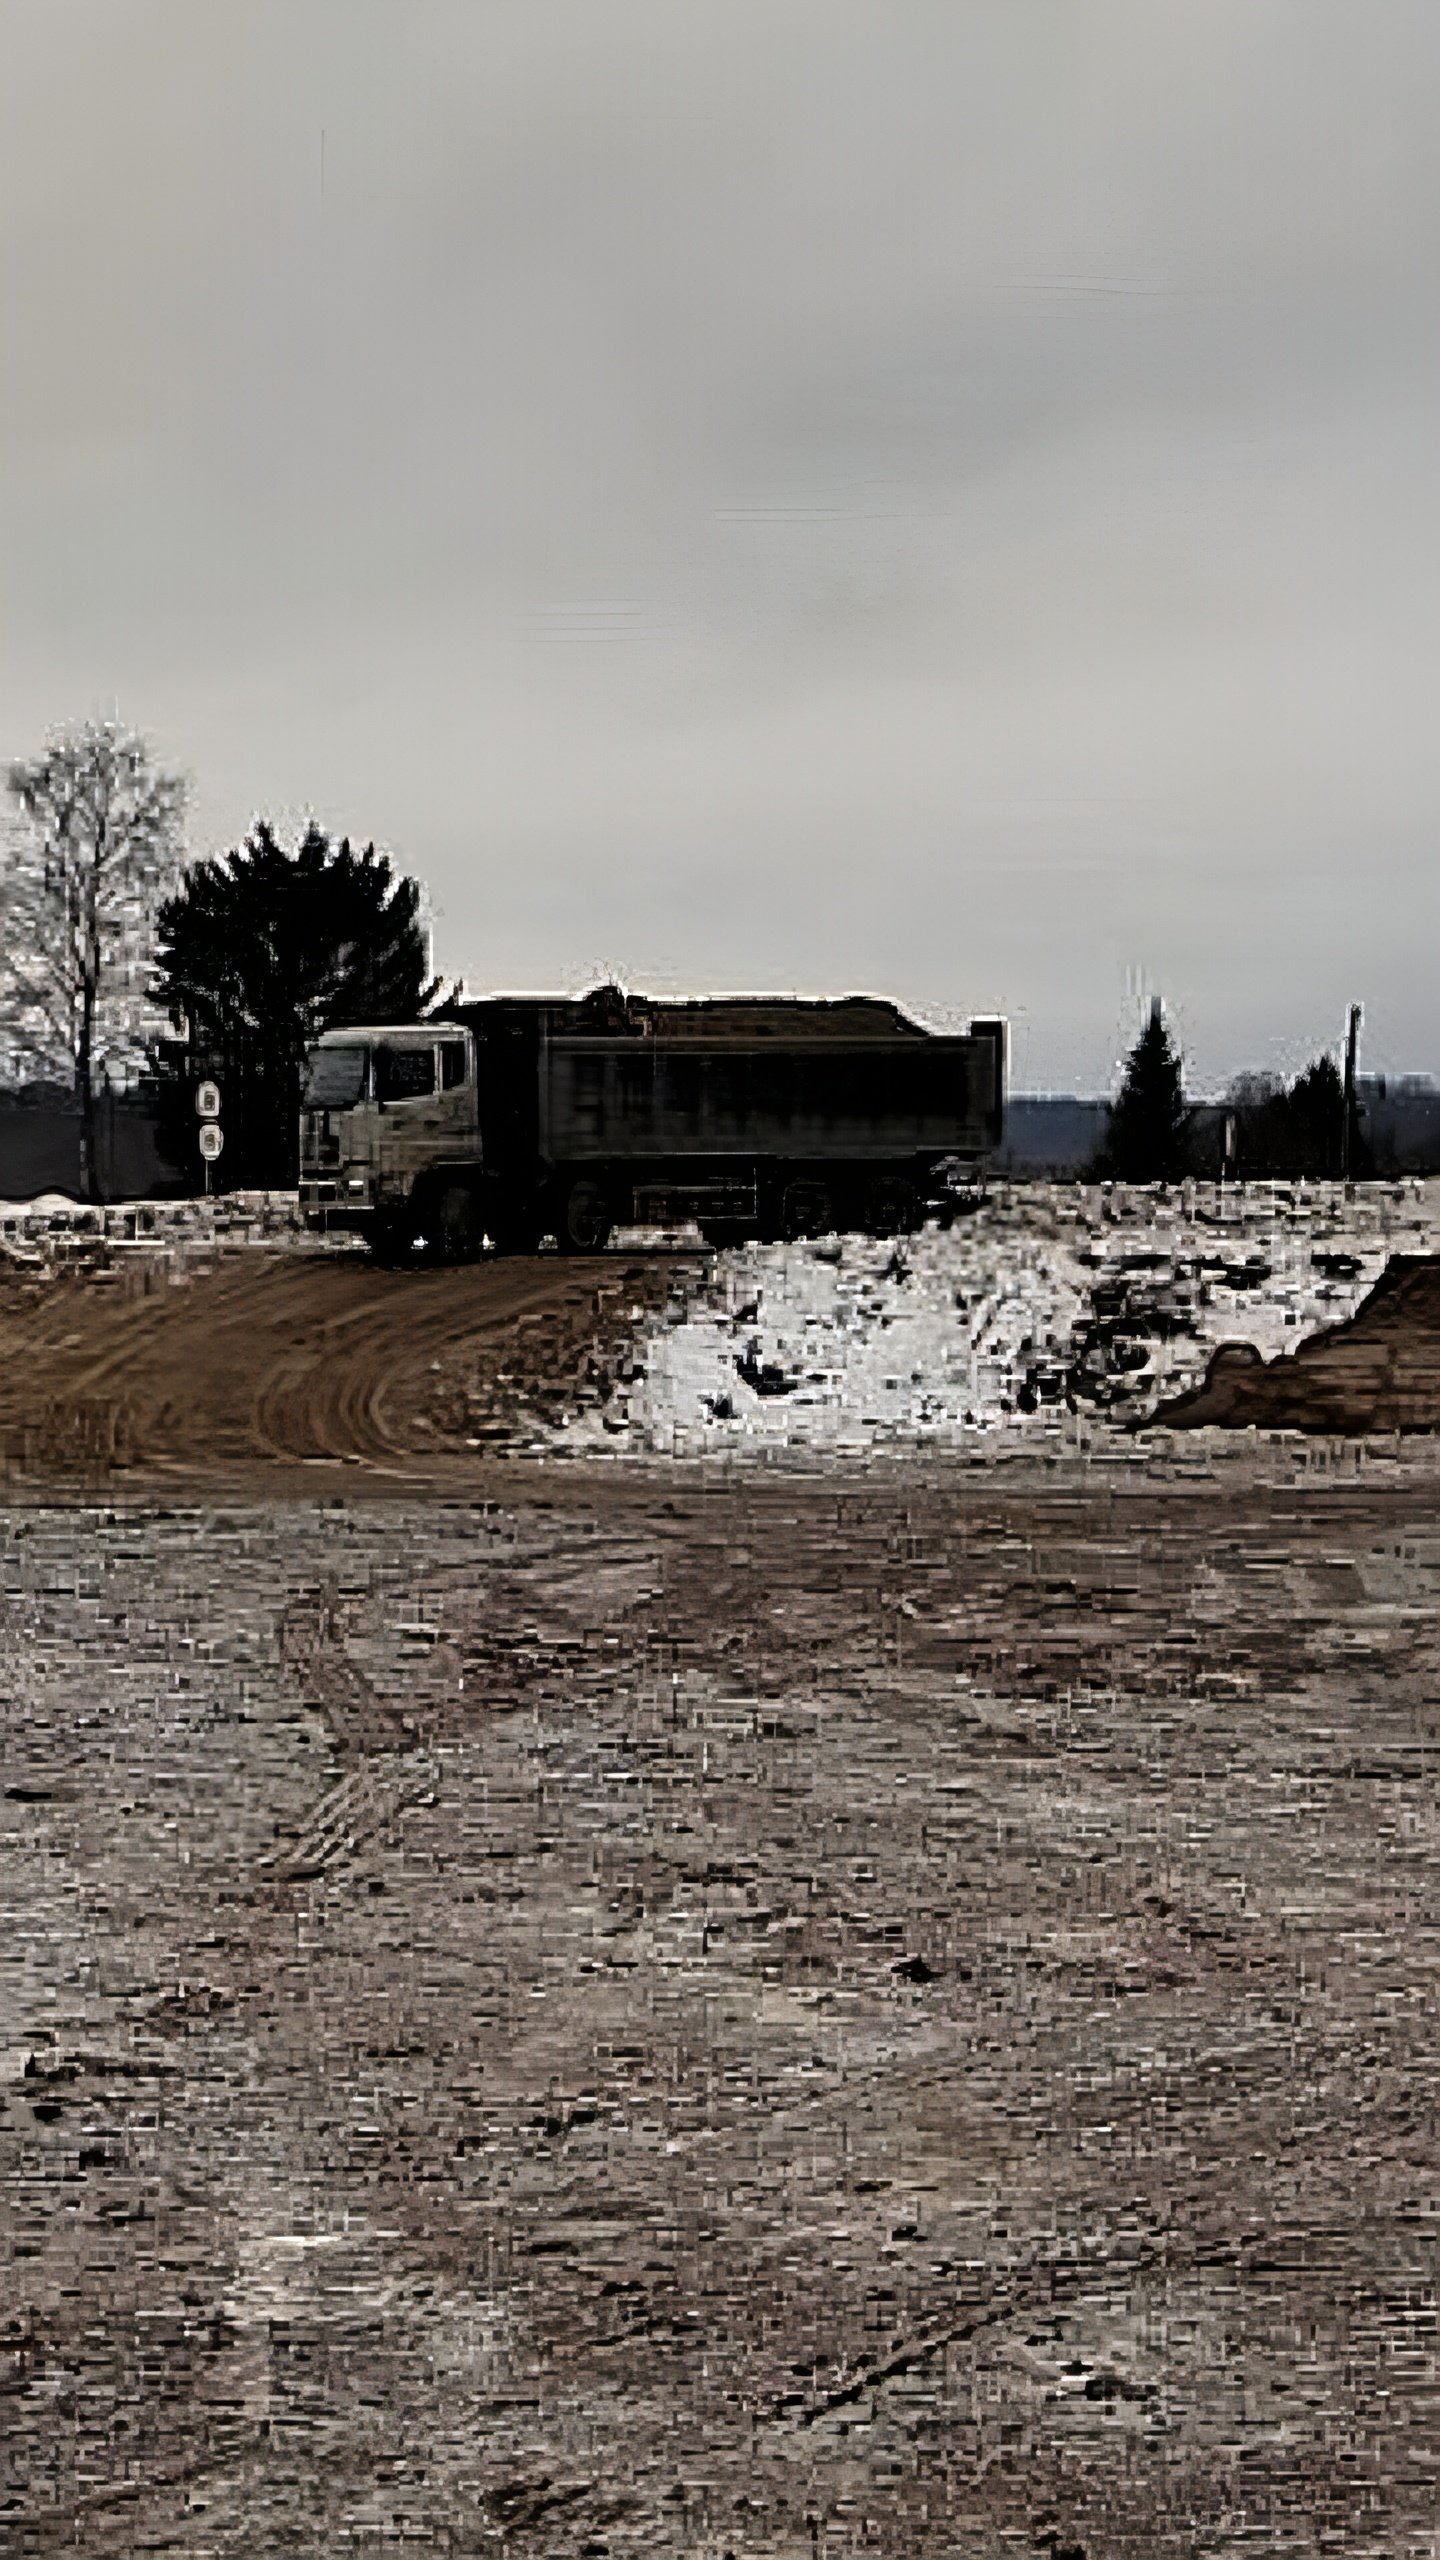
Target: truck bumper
(336, 1207)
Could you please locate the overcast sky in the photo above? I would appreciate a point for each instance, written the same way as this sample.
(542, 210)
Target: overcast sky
(937, 498)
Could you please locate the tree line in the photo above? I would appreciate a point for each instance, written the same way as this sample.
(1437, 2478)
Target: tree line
(118, 957)
(1269, 1130)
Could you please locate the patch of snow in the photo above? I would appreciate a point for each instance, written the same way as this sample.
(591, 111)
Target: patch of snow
(1051, 1309)
(55, 1223)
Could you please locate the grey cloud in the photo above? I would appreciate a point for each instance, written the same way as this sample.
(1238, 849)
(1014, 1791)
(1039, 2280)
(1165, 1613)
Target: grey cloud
(785, 492)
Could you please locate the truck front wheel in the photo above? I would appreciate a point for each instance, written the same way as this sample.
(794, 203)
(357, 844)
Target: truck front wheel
(392, 1242)
(456, 1221)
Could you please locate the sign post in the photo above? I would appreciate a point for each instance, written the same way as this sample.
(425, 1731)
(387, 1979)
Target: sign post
(212, 1136)
(1352, 1038)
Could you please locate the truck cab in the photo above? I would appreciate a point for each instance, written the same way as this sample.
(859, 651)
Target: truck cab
(390, 1130)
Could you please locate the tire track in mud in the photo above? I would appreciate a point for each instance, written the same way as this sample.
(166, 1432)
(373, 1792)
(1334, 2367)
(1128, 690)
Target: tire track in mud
(262, 1363)
(313, 1652)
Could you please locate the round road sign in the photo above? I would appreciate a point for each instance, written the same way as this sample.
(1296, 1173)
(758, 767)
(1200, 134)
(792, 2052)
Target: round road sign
(212, 1139)
(207, 1100)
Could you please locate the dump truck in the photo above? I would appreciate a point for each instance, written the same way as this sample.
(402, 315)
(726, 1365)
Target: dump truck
(513, 1120)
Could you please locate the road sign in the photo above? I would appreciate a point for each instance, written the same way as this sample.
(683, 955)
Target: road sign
(212, 1139)
(207, 1101)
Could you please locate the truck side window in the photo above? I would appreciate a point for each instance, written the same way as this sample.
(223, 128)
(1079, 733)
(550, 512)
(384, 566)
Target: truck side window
(452, 1064)
(404, 1075)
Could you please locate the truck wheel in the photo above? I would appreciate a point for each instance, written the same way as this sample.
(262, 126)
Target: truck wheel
(807, 1210)
(392, 1243)
(456, 1224)
(892, 1207)
(585, 1221)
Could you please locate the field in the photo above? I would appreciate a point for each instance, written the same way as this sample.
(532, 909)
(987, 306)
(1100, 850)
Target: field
(582, 2006)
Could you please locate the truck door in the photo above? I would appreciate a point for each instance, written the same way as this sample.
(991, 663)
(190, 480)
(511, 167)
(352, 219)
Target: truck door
(425, 1090)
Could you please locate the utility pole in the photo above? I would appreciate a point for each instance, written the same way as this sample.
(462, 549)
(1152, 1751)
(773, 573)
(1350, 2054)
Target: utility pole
(1352, 1041)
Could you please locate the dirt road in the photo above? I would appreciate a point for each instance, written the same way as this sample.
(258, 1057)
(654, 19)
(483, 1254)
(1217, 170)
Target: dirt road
(645, 2012)
(266, 1362)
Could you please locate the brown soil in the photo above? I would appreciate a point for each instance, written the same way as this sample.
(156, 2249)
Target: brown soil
(262, 1364)
(1379, 1372)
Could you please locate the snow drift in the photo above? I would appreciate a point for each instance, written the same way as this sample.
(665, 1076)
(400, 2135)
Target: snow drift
(1050, 1309)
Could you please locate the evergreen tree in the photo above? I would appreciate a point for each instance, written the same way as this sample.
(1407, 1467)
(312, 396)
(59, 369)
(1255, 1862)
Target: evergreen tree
(1317, 1118)
(1147, 1136)
(261, 951)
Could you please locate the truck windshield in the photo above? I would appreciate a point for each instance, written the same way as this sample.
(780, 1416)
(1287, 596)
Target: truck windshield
(334, 1078)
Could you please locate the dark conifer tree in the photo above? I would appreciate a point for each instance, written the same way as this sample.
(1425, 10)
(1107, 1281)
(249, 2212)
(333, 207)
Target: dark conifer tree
(1296, 1133)
(1147, 1137)
(1315, 1116)
(259, 952)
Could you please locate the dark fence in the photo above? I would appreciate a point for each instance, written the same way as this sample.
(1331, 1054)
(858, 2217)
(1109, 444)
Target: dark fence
(40, 1148)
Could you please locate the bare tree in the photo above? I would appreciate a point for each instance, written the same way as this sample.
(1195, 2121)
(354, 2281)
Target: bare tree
(80, 882)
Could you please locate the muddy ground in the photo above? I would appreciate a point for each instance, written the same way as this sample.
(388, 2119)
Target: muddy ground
(266, 1367)
(562, 2009)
